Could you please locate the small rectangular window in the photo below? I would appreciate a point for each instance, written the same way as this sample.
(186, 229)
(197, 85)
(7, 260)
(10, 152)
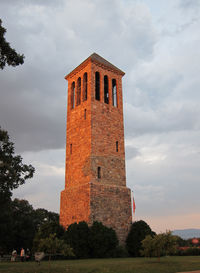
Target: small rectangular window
(99, 172)
(85, 114)
(117, 146)
(70, 148)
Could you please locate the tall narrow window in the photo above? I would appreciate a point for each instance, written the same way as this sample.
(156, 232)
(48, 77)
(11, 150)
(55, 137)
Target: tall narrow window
(78, 100)
(85, 86)
(70, 148)
(99, 172)
(72, 95)
(85, 113)
(97, 86)
(114, 93)
(106, 93)
(117, 146)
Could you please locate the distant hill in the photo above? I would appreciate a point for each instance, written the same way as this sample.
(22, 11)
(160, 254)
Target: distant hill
(187, 233)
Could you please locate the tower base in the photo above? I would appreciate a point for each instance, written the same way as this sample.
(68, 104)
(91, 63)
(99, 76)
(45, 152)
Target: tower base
(108, 204)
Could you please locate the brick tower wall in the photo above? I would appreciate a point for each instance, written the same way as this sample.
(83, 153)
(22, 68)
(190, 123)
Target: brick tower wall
(109, 198)
(75, 203)
(78, 144)
(110, 205)
(75, 199)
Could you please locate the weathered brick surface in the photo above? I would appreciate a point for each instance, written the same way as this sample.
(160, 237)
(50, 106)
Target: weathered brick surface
(75, 204)
(110, 205)
(93, 128)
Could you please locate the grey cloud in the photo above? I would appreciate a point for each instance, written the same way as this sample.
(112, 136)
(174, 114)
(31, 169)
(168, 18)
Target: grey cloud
(173, 117)
(131, 152)
(43, 191)
(163, 94)
(32, 2)
(165, 173)
(189, 4)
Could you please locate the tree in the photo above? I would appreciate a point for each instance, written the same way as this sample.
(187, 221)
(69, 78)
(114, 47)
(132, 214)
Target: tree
(21, 223)
(139, 230)
(7, 54)
(103, 240)
(147, 246)
(42, 216)
(77, 236)
(23, 228)
(159, 245)
(45, 230)
(52, 246)
(13, 172)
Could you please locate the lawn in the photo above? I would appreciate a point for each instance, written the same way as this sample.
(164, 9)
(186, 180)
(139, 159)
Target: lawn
(125, 265)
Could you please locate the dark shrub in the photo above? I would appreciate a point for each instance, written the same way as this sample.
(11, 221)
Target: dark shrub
(77, 236)
(139, 230)
(103, 240)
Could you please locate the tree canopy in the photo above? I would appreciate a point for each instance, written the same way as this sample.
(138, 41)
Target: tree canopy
(8, 55)
(13, 172)
(20, 224)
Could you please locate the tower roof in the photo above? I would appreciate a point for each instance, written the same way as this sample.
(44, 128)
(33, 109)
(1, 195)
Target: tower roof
(95, 58)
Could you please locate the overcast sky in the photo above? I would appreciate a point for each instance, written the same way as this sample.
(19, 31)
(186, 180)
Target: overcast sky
(157, 44)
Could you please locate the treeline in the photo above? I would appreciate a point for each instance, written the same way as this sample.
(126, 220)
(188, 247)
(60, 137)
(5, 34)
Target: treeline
(23, 226)
(39, 230)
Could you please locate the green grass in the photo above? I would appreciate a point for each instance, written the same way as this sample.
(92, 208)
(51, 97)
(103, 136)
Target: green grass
(125, 265)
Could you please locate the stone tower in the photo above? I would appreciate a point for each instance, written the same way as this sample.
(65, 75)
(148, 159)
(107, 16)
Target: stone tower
(95, 178)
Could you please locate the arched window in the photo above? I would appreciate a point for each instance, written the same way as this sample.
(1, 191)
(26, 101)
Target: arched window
(78, 101)
(114, 93)
(106, 93)
(72, 95)
(85, 86)
(97, 86)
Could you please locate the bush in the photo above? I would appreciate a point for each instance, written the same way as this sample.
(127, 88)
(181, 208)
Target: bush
(97, 241)
(52, 246)
(159, 245)
(139, 230)
(45, 231)
(103, 241)
(77, 236)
